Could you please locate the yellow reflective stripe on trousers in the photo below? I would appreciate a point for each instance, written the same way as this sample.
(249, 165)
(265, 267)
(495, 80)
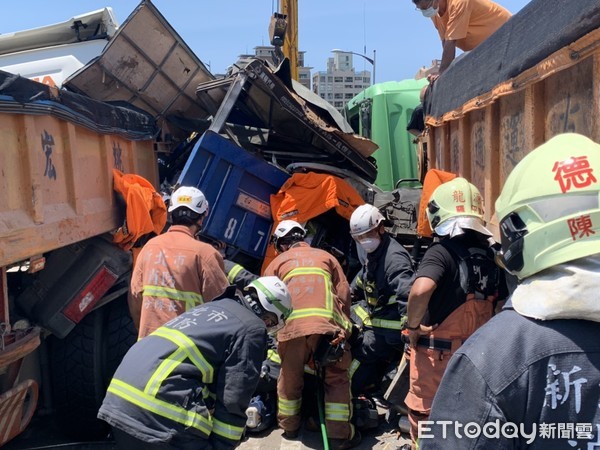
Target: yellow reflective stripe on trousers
(354, 365)
(289, 407)
(339, 412)
(163, 371)
(234, 272)
(190, 349)
(226, 430)
(190, 299)
(159, 407)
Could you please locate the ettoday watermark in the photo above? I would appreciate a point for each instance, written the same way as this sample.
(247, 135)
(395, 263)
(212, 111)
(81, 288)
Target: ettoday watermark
(507, 430)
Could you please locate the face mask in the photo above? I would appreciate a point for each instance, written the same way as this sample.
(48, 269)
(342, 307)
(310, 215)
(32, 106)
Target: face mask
(369, 245)
(429, 12)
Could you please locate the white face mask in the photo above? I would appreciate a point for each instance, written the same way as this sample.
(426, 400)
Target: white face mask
(369, 245)
(429, 12)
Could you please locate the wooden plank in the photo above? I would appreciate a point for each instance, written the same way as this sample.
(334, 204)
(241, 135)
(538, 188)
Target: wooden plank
(478, 148)
(568, 98)
(491, 162)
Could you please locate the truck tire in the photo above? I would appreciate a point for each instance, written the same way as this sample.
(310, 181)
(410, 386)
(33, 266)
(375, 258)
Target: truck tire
(82, 365)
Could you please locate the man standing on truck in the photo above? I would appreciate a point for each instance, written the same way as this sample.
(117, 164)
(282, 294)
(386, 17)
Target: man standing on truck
(380, 292)
(538, 362)
(454, 292)
(175, 272)
(188, 384)
(462, 23)
(321, 304)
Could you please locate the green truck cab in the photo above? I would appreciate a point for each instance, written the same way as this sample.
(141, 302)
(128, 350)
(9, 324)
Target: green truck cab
(381, 113)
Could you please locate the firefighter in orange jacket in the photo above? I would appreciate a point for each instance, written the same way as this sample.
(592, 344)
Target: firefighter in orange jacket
(175, 272)
(321, 308)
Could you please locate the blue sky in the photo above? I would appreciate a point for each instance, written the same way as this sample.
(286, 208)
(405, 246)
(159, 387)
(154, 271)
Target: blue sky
(218, 31)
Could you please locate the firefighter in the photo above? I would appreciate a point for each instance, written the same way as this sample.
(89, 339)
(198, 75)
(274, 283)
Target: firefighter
(321, 303)
(175, 272)
(454, 292)
(188, 384)
(537, 362)
(380, 292)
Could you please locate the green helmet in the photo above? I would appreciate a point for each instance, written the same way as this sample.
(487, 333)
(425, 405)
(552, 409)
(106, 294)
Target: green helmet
(455, 198)
(549, 206)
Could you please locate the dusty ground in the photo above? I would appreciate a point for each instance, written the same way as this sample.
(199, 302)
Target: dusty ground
(382, 438)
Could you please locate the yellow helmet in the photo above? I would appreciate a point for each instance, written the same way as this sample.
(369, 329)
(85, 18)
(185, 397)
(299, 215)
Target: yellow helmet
(549, 209)
(455, 198)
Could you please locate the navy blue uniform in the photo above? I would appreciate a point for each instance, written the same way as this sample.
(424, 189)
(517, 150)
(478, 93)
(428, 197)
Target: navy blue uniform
(191, 380)
(381, 288)
(544, 375)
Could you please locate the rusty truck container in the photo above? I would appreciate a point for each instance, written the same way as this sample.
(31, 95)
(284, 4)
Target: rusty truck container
(57, 182)
(536, 77)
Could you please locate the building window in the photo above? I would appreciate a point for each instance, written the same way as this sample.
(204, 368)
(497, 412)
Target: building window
(338, 104)
(365, 79)
(348, 86)
(338, 79)
(322, 78)
(338, 95)
(349, 79)
(348, 96)
(329, 79)
(303, 76)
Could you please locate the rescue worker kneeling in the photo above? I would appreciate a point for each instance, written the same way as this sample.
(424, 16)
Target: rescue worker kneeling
(321, 302)
(188, 384)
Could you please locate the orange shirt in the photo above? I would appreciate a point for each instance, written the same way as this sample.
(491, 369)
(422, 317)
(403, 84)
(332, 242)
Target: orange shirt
(470, 22)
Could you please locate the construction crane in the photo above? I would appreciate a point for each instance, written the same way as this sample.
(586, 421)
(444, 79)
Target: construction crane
(283, 32)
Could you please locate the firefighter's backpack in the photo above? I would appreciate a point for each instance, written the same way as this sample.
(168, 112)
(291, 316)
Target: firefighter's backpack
(479, 274)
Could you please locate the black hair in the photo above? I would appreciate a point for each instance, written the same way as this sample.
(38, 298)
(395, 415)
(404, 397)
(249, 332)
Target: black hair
(184, 216)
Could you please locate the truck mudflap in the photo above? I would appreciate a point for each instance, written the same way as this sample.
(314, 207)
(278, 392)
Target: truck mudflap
(73, 283)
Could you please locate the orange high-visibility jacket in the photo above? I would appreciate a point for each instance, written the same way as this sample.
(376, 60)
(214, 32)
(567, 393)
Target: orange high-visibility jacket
(319, 289)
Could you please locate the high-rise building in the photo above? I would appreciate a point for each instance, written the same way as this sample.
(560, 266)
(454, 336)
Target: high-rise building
(341, 82)
(265, 52)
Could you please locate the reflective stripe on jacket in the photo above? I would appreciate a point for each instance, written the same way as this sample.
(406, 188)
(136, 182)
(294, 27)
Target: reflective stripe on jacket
(319, 290)
(173, 273)
(238, 275)
(382, 287)
(196, 374)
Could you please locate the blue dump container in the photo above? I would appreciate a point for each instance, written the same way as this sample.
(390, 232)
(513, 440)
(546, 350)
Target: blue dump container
(238, 187)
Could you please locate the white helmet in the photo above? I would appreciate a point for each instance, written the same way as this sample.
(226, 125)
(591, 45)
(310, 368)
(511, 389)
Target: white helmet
(364, 219)
(289, 229)
(274, 297)
(189, 197)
